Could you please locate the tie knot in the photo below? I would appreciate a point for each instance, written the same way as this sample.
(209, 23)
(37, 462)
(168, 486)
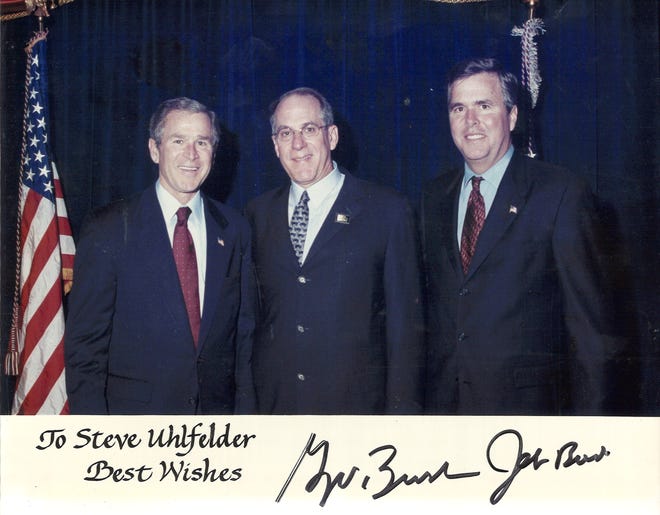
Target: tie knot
(182, 215)
(476, 181)
(304, 198)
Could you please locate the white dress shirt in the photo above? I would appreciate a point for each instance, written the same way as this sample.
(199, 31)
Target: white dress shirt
(322, 196)
(488, 188)
(196, 225)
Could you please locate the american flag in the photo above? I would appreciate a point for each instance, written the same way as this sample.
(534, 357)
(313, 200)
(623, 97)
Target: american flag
(45, 253)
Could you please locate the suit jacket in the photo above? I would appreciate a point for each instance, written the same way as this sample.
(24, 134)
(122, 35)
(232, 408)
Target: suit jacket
(529, 329)
(343, 334)
(128, 344)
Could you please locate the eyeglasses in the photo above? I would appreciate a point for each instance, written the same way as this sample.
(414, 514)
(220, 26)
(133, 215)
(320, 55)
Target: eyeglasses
(309, 131)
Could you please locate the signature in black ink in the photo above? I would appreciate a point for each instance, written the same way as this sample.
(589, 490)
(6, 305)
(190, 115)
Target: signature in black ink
(567, 453)
(343, 479)
(407, 480)
(565, 457)
(523, 460)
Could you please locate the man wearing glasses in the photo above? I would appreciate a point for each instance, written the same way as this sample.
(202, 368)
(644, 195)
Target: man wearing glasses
(340, 323)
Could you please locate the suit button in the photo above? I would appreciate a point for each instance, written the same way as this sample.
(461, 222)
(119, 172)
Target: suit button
(301, 329)
(462, 337)
(463, 291)
(191, 401)
(302, 279)
(301, 377)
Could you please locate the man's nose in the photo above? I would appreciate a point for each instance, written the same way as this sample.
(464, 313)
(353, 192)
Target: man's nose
(298, 141)
(471, 117)
(191, 151)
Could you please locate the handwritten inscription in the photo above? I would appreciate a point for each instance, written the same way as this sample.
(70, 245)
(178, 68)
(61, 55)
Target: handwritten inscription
(173, 470)
(388, 472)
(182, 440)
(183, 437)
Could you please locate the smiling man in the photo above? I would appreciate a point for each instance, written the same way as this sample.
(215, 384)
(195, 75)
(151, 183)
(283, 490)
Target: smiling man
(161, 313)
(520, 314)
(340, 327)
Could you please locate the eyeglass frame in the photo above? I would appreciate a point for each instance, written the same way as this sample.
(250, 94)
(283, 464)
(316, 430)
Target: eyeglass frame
(276, 135)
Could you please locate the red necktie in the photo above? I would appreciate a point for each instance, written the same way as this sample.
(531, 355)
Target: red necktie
(474, 221)
(186, 265)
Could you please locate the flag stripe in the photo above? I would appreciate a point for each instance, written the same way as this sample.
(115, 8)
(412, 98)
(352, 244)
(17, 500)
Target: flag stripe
(28, 212)
(43, 272)
(41, 385)
(49, 386)
(67, 247)
(48, 344)
(37, 325)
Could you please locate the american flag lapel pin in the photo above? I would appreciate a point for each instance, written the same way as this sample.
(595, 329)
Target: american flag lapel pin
(342, 218)
(513, 210)
(221, 242)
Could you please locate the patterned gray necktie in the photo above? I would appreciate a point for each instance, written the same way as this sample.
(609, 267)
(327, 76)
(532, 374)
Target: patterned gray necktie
(298, 227)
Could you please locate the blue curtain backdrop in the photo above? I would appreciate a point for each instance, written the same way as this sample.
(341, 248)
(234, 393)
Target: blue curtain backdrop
(381, 64)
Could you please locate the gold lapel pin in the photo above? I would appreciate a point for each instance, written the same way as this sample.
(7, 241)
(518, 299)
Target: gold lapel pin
(513, 209)
(221, 242)
(342, 218)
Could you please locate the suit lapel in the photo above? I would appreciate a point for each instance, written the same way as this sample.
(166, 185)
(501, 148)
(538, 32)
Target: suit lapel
(509, 202)
(440, 213)
(278, 233)
(155, 250)
(347, 206)
(220, 250)
(449, 230)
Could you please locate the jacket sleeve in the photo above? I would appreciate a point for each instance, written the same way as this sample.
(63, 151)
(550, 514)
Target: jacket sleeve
(405, 324)
(89, 319)
(595, 336)
(245, 402)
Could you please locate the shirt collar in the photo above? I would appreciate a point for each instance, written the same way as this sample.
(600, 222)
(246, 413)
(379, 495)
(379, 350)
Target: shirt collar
(318, 190)
(494, 174)
(169, 205)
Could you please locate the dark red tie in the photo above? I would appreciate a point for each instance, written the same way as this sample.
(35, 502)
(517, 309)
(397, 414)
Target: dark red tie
(474, 221)
(186, 264)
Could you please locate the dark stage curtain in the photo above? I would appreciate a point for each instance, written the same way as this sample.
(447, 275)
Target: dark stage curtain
(382, 65)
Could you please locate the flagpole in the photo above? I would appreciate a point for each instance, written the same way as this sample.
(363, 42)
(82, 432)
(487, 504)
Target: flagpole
(41, 13)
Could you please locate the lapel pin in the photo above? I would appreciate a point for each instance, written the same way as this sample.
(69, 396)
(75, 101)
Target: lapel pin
(342, 218)
(221, 242)
(513, 209)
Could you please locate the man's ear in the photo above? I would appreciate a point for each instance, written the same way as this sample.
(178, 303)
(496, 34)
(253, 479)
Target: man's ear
(153, 150)
(277, 150)
(513, 118)
(333, 136)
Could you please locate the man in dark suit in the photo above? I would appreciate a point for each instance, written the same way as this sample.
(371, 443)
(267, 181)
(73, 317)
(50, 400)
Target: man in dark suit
(160, 316)
(340, 328)
(520, 318)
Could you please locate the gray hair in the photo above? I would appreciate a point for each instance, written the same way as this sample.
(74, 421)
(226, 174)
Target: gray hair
(326, 108)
